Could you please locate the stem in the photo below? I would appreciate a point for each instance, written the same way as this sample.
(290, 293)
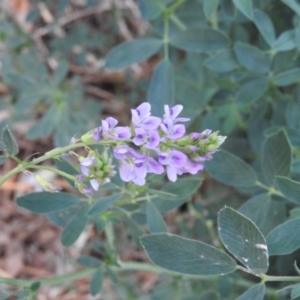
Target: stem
(175, 6)
(271, 190)
(266, 278)
(64, 174)
(109, 232)
(177, 22)
(166, 35)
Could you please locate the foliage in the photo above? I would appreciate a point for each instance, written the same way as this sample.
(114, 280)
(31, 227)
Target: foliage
(235, 67)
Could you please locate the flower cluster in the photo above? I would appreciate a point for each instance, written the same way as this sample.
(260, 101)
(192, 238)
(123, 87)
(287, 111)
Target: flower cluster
(150, 145)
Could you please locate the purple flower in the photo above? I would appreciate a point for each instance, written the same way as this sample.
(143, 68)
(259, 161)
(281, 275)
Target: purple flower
(87, 168)
(150, 139)
(171, 130)
(124, 152)
(172, 113)
(141, 117)
(109, 130)
(192, 167)
(174, 161)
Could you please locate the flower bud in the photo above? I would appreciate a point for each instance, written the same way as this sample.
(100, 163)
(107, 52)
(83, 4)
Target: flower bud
(46, 185)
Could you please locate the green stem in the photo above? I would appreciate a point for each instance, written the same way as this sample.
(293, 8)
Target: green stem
(64, 174)
(178, 22)
(166, 35)
(271, 190)
(109, 232)
(175, 6)
(266, 278)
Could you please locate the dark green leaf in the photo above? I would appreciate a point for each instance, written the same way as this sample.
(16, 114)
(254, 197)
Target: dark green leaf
(75, 227)
(252, 58)
(210, 7)
(287, 77)
(295, 292)
(223, 61)
(285, 42)
(265, 26)
(276, 156)
(231, 170)
(244, 240)
(66, 167)
(96, 282)
(2, 159)
(151, 9)
(89, 261)
(257, 209)
(252, 91)
(9, 141)
(45, 202)
(289, 188)
(245, 6)
(161, 90)
(132, 52)
(200, 40)
(103, 204)
(182, 190)
(60, 73)
(186, 256)
(293, 4)
(256, 292)
(285, 238)
(228, 8)
(154, 219)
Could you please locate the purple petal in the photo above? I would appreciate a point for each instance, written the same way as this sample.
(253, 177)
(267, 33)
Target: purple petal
(151, 123)
(164, 158)
(193, 167)
(154, 167)
(143, 110)
(140, 137)
(122, 132)
(140, 168)
(153, 139)
(112, 122)
(87, 190)
(126, 170)
(171, 173)
(95, 184)
(87, 161)
(140, 181)
(178, 159)
(178, 132)
(175, 111)
(97, 134)
(105, 126)
(85, 170)
(121, 152)
(181, 120)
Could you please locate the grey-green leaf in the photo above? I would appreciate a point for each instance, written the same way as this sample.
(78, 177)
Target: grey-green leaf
(295, 292)
(285, 42)
(103, 204)
(265, 26)
(154, 219)
(252, 91)
(257, 209)
(231, 170)
(96, 282)
(256, 292)
(200, 40)
(244, 240)
(75, 227)
(89, 261)
(245, 6)
(186, 256)
(161, 90)
(276, 156)
(210, 7)
(9, 141)
(285, 238)
(289, 188)
(45, 202)
(132, 52)
(293, 4)
(287, 77)
(252, 58)
(223, 61)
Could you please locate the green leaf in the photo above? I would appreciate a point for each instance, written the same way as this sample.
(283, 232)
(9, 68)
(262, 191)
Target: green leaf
(252, 91)
(256, 292)
(200, 40)
(9, 141)
(151, 9)
(295, 292)
(289, 188)
(285, 42)
(66, 167)
(244, 240)
(186, 256)
(154, 219)
(245, 6)
(96, 282)
(60, 73)
(293, 4)
(223, 61)
(132, 52)
(45, 202)
(257, 209)
(182, 190)
(75, 227)
(2, 159)
(161, 90)
(231, 170)
(276, 156)
(287, 77)
(103, 204)
(228, 8)
(252, 58)
(210, 7)
(88, 261)
(285, 238)
(265, 26)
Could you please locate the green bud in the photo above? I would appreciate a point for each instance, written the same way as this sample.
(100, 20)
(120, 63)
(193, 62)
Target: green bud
(46, 185)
